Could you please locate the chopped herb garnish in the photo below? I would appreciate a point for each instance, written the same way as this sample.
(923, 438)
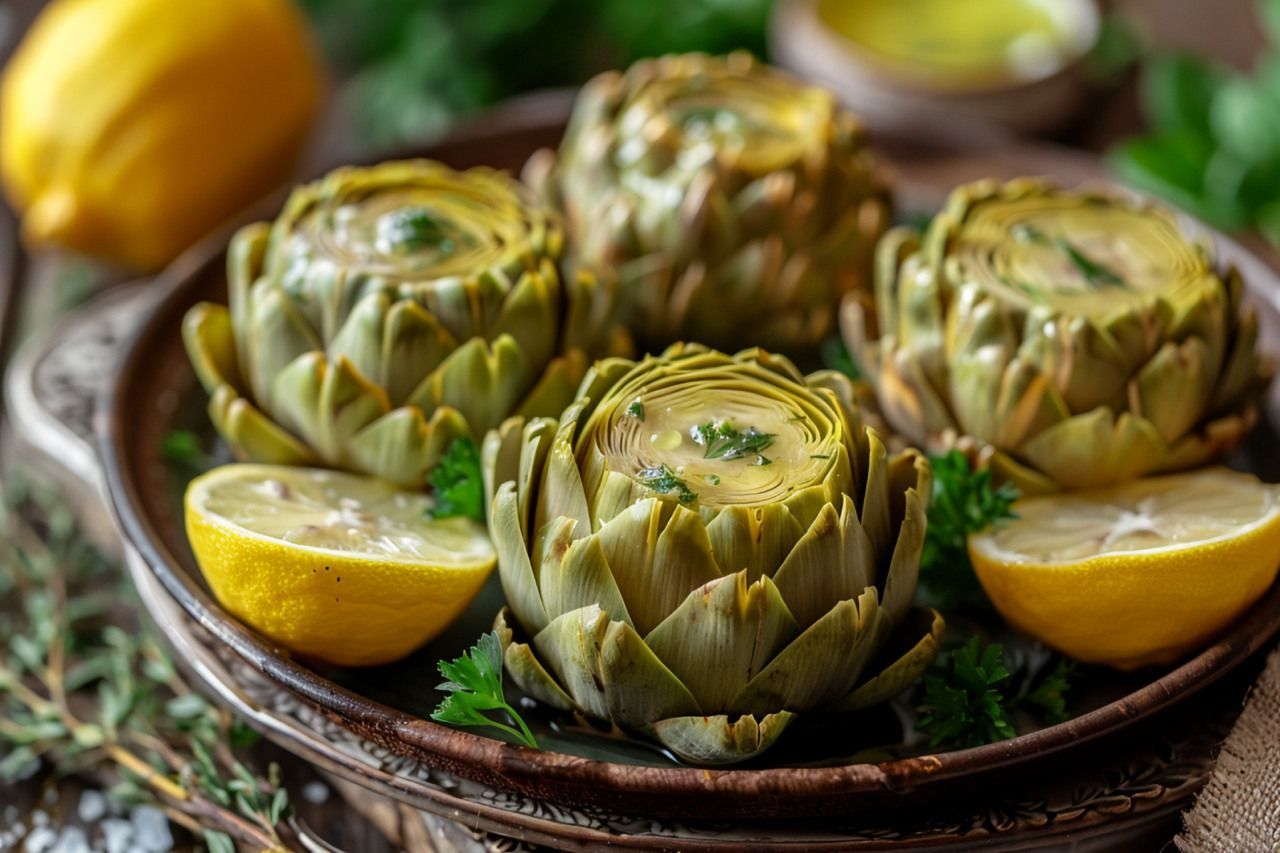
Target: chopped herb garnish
(474, 687)
(819, 455)
(665, 482)
(636, 410)
(1093, 272)
(762, 461)
(457, 482)
(411, 228)
(725, 441)
(713, 479)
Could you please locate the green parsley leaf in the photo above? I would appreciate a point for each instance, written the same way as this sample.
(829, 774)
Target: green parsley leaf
(474, 688)
(964, 501)
(636, 410)
(664, 481)
(1049, 694)
(969, 698)
(963, 705)
(457, 482)
(725, 441)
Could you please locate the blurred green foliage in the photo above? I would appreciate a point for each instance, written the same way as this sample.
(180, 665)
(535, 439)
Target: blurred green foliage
(411, 66)
(1214, 142)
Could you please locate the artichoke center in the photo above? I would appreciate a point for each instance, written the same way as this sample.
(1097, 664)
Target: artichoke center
(719, 446)
(414, 229)
(760, 124)
(1084, 257)
(428, 231)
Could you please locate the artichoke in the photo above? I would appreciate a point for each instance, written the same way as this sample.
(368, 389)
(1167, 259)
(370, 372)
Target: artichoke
(1074, 338)
(726, 194)
(390, 310)
(704, 546)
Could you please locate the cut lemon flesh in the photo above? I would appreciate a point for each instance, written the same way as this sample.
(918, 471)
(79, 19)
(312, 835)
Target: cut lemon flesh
(333, 566)
(1137, 574)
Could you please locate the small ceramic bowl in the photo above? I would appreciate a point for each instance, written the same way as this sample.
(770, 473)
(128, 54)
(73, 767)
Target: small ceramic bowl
(894, 96)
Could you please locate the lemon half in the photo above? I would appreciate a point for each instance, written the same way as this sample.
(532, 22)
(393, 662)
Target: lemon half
(1136, 574)
(333, 566)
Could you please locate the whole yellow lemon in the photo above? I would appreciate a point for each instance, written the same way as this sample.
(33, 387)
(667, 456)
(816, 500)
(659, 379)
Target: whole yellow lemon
(131, 128)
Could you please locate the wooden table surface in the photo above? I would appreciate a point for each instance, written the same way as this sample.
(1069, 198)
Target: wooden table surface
(1224, 29)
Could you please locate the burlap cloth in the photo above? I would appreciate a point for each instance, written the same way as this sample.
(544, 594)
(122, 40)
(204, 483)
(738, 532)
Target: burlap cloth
(1239, 809)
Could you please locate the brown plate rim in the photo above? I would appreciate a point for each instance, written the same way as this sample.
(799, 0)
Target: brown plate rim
(564, 778)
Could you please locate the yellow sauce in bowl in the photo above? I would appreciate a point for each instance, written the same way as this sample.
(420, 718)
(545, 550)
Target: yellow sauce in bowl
(965, 44)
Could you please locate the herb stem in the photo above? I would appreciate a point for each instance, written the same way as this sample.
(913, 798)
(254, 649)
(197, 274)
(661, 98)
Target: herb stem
(524, 734)
(145, 772)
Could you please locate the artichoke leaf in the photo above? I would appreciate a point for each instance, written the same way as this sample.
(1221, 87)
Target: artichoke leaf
(902, 671)
(562, 494)
(500, 458)
(1172, 390)
(609, 671)
(211, 346)
(1095, 448)
(904, 566)
(326, 403)
(485, 381)
(276, 338)
(833, 561)
(753, 538)
(245, 257)
(414, 345)
(574, 573)
(818, 667)
(359, 340)
(251, 434)
(657, 553)
(876, 512)
(527, 671)
(721, 635)
(529, 313)
(519, 584)
(554, 391)
(570, 646)
(403, 447)
(715, 740)
(536, 440)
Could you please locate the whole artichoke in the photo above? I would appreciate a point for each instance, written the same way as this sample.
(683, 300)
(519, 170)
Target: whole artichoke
(704, 546)
(1079, 338)
(726, 194)
(390, 310)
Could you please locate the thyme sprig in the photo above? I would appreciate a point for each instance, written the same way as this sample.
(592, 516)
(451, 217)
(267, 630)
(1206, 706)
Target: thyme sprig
(84, 693)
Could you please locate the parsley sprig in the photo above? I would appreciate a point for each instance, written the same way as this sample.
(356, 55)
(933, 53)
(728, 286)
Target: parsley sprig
(474, 688)
(968, 698)
(722, 440)
(964, 501)
(457, 482)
